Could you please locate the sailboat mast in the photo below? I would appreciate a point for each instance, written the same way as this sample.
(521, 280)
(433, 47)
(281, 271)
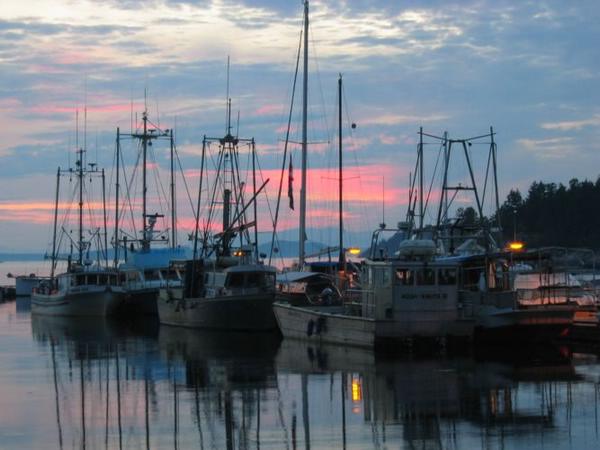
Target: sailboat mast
(116, 260)
(104, 217)
(302, 235)
(55, 224)
(340, 180)
(255, 205)
(173, 212)
(145, 242)
(420, 158)
(80, 178)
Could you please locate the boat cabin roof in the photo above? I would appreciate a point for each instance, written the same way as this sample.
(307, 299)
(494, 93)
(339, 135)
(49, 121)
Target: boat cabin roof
(298, 276)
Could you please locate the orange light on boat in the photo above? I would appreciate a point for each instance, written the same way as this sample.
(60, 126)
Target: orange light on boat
(354, 250)
(516, 246)
(356, 390)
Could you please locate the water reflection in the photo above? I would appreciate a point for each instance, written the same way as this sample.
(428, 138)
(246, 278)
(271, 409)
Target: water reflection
(138, 385)
(491, 400)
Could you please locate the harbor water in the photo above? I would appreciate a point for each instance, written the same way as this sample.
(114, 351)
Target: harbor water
(80, 383)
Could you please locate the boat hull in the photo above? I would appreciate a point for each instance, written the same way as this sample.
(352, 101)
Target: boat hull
(140, 302)
(250, 312)
(324, 324)
(525, 324)
(90, 302)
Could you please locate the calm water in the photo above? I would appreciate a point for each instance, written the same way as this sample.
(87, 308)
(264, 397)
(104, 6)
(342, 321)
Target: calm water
(73, 383)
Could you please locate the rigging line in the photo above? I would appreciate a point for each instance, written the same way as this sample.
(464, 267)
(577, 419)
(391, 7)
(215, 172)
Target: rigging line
(238, 193)
(128, 184)
(285, 150)
(437, 161)
(211, 210)
(159, 184)
(262, 179)
(487, 172)
(187, 190)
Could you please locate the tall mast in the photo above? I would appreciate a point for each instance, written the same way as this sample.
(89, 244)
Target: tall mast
(254, 193)
(55, 224)
(173, 212)
(80, 178)
(340, 181)
(104, 217)
(302, 235)
(116, 260)
(420, 158)
(145, 240)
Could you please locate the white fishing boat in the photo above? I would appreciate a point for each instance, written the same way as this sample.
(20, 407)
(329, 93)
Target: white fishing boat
(80, 292)
(225, 287)
(87, 288)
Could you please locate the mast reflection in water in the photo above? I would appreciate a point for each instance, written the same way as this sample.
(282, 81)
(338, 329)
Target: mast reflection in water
(101, 384)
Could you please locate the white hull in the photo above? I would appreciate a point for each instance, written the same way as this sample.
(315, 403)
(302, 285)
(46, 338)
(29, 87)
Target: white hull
(234, 312)
(324, 324)
(92, 301)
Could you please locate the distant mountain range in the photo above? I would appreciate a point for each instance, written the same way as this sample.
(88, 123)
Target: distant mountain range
(7, 256)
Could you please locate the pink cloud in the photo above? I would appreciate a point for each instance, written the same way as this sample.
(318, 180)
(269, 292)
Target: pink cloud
(268, 110)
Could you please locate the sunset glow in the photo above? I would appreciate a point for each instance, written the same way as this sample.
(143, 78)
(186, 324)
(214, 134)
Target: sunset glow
(403, 67)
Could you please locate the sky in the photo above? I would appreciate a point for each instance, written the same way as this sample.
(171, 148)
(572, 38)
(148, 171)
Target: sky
(528, 69)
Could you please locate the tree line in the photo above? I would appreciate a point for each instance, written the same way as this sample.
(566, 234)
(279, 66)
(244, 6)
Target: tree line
(554, 215)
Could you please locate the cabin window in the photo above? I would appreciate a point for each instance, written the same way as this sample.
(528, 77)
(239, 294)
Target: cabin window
(235, 280)
(169, 275)
(405, 276)
(253, 279)
(425, 277)
(151, 275)
(132, 276)
(447, 277)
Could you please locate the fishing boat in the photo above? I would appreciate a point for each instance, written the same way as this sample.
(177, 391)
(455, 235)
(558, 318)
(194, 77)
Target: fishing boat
(450, 285)
(87, 288)
(145, 268)
(224, 286)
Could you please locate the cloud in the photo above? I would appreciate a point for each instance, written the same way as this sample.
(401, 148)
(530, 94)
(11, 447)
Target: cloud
(553, 148)
(569, 125)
